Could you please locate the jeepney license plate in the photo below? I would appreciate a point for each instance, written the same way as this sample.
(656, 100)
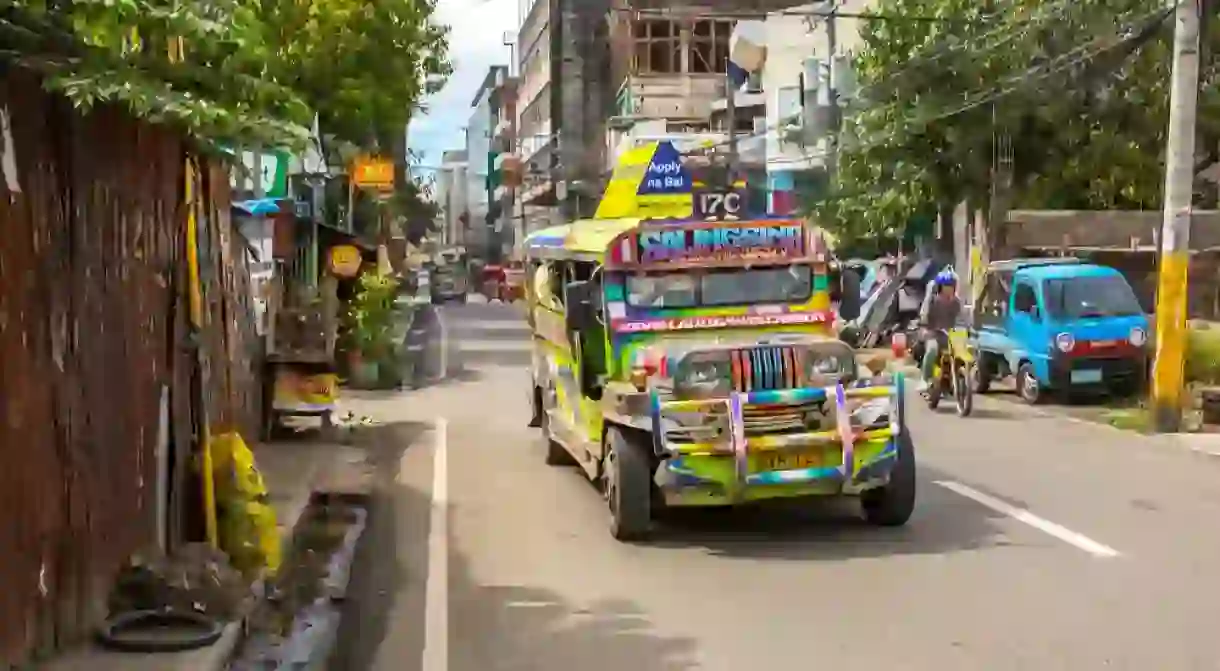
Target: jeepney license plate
(1087, 376)
(789, 462)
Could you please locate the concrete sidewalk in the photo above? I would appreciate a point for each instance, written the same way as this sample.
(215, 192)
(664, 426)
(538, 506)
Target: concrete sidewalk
(293, 471)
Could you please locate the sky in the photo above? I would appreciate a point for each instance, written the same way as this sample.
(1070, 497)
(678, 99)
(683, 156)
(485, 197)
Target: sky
(475, 43)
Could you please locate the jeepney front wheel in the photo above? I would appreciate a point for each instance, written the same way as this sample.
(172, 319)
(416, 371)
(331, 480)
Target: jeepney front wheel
(628, 486)
(892, 504)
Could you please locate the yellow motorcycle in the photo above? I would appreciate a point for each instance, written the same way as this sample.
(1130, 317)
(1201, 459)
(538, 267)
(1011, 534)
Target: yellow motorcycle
(953, 372)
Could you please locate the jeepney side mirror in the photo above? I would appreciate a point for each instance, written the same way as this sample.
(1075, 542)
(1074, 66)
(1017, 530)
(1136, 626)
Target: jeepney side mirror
(578, 304)
(848, 282)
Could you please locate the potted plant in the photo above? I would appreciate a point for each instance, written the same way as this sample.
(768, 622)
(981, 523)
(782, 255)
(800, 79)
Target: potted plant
(370, 325)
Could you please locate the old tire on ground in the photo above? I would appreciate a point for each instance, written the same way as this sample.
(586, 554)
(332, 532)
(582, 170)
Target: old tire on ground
(628, 485)
(892, 504)
(159, 631)
(556, 454)
(1028, 387)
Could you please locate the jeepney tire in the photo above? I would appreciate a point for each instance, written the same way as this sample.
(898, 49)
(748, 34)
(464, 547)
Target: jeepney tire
(891, 505)
(1029, 389)
(536, 408)
(628, 486)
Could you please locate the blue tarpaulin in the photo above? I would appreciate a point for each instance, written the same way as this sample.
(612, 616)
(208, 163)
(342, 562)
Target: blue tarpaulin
(258, 207)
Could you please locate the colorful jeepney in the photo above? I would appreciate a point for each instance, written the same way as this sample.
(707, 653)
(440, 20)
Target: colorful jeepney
(692, 363)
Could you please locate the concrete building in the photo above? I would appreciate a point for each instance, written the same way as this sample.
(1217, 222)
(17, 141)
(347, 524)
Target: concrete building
(451, 189)
(535, 130)
(506, 166)
(669, 71)
(564, 100)
(800, 67)
(480, 159)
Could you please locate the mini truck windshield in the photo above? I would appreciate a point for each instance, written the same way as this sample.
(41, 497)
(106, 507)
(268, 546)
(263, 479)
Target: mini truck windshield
(791, 284)
(1090, 297)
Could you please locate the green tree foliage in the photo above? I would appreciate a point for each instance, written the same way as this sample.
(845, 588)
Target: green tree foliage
(1080, 86)
(363, 65)
(237, 71)
(415, 208)
(199, 64)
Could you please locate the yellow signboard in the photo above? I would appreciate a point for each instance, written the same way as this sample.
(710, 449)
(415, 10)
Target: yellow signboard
(345, 261)
(369, 172)
(297, 392)
(621, 199)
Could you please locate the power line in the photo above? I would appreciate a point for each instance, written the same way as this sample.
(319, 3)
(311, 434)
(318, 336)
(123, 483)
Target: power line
(1012, 84)
(765, 14)
(941, 49)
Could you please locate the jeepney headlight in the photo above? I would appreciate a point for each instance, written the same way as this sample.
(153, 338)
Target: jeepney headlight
(704, 374)
(1138, 337)
(821, 364)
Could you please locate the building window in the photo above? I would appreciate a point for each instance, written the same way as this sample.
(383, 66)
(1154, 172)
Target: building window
(658, 47)
(709, 46)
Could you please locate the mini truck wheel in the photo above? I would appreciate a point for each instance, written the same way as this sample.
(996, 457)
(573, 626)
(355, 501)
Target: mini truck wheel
(892, 504)
(1028, 387)
(628, 484)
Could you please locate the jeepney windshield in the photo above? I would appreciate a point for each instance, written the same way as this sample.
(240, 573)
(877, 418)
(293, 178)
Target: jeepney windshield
(791, 284)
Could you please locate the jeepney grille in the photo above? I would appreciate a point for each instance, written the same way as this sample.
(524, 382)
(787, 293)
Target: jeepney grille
(765, 368)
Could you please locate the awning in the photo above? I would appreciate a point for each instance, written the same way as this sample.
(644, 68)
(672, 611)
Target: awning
(258, 207)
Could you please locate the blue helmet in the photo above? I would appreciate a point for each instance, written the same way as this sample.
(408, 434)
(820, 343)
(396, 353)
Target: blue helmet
(946, 278)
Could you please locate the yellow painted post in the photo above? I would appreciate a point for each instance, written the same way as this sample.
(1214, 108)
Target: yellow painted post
(195, 300)
(1168, 375)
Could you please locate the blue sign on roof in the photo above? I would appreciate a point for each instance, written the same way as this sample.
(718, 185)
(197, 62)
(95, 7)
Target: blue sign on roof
(665, 175)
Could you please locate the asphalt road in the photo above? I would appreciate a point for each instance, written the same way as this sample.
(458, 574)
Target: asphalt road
(1038, 543)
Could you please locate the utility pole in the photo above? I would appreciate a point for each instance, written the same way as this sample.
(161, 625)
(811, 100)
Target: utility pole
(832, 95)
(1170, 359)
(730, 109)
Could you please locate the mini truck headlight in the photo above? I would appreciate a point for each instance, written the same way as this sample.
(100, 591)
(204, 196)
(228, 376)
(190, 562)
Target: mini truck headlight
(704, 375)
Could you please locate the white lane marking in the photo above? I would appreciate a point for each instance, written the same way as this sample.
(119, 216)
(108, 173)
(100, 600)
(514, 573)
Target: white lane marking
(489, 346)
(436, 589)
(1047, 527)
(513, 326)
(440, 324)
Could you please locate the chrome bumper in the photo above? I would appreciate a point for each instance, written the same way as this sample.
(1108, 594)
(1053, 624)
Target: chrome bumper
(733, 441)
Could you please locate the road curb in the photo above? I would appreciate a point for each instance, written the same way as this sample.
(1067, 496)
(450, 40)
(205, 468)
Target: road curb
(223, 650)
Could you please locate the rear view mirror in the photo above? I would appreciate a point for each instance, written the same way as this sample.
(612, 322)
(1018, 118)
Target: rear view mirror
(849, 294)
(578, 305)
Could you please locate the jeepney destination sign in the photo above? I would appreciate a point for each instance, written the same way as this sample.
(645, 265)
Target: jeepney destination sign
(721, 243)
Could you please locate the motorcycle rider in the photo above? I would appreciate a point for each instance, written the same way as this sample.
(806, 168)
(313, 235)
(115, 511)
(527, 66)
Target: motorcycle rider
(939, 312)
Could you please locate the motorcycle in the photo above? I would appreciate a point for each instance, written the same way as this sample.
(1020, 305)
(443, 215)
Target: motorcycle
(953, 372)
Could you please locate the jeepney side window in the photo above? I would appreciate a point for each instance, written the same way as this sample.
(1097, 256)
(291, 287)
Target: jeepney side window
(544, 287)
(558, 279)
(587, 271)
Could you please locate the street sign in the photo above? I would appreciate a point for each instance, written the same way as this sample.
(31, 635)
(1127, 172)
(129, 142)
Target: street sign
(665, 174)
(370, 172)
(715, 204)
(345, 261)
